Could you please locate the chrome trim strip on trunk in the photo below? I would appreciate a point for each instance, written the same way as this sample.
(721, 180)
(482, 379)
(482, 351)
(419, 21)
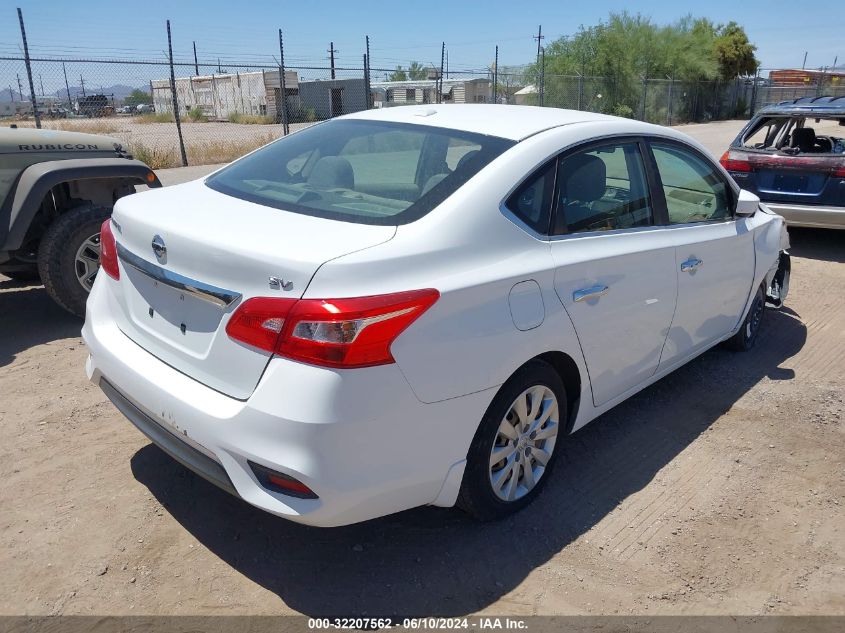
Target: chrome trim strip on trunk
(213, 294)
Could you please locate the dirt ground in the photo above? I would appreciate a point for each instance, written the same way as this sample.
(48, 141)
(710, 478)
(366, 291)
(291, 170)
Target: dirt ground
(718, 490)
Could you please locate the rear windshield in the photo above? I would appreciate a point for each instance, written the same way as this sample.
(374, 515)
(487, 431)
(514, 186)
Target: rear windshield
(796, 135)
(368, 172)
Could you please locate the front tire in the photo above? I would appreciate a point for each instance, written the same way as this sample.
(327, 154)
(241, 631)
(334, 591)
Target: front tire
(69, 256)
(513, 451)
(746, 337)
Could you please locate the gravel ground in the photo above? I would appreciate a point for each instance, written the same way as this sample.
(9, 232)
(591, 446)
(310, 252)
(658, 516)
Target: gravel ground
(717, 490)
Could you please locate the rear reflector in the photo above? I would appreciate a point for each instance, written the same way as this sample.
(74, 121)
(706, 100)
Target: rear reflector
(344, 333)
(108, 251)
(280, 482)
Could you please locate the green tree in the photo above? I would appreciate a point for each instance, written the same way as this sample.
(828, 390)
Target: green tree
(398, 75)
(734, 52)
(416, 71)
(136, 97)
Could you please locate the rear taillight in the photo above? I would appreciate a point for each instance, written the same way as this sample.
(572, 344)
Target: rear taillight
(108, 251)
(353, 332)
(735, 161)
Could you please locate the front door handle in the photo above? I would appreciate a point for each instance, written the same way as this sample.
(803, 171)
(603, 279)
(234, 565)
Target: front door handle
(691, 265)
(593, 292)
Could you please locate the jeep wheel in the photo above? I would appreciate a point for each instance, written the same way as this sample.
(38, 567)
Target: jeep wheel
(69, 256)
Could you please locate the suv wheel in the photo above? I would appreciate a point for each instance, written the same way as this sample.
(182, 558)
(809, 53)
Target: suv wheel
(514, 448)
(69, 256)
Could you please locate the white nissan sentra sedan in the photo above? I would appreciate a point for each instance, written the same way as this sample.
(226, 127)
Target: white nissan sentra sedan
(418, 305)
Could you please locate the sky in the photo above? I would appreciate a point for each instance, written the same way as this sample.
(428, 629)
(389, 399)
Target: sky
(400, 31)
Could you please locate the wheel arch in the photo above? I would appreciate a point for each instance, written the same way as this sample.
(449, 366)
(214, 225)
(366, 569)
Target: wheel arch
(569, 373)
(37, 181)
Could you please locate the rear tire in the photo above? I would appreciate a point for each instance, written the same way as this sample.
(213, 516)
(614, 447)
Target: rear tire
(524, 425)
(746, 337)
(69, 256)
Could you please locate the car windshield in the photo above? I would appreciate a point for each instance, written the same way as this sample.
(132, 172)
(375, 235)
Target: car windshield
(796, 135)
(368, 172)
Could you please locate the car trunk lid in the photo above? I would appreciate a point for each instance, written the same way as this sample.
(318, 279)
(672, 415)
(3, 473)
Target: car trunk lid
(212, 252)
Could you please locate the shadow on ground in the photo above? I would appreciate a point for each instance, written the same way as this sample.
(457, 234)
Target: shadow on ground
(436, 561)
(822, 244)
(30, 318)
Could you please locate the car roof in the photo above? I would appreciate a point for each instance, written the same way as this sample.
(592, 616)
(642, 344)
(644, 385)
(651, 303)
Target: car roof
(514, 122)
(812, 105)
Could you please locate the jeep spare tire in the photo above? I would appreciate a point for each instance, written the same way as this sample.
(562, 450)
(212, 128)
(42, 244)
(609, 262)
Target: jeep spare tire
(69, 256)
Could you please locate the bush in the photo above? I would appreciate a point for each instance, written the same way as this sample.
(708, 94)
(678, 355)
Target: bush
(250, 119)
(196, 115)
(155, 117)
(621, 109)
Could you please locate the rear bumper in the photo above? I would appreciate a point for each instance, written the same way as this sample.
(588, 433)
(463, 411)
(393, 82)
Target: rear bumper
(810, 215)
(360, 439)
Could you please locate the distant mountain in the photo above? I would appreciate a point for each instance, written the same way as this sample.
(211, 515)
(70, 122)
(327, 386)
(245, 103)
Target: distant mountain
(7, 94)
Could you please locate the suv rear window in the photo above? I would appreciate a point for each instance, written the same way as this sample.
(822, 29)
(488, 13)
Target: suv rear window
(796, 135)
(367, 172)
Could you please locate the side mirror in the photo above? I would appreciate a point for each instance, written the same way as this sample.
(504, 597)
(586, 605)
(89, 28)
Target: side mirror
(747, 204)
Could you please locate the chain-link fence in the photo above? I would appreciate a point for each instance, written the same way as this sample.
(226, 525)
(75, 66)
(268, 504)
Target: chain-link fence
(220, 111)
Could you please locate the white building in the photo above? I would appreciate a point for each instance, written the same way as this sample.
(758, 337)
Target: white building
(218, 96)
(389, 93)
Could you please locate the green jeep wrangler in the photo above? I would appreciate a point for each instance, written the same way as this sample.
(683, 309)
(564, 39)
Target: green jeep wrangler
(56, 190)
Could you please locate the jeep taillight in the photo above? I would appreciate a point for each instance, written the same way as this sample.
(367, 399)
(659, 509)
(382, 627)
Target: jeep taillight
(345, 333)
(108, 251)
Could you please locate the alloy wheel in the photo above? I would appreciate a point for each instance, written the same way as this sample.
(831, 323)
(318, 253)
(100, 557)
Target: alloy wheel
(524, 443)
(87, 261)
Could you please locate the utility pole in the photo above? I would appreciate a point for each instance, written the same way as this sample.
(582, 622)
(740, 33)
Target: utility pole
(11, 94)
(67, 88)
(41, 83)
(331, 53)
(803, 65)
(196, 65)
(82, 84)
(219, 72)
(539, 37)
(20, 87)
(29, 72)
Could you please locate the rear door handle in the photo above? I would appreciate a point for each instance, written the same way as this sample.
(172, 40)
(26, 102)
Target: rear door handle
(593, 292)
(691, 265)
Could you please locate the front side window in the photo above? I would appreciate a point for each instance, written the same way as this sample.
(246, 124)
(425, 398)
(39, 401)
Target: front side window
(367, 172)
(602, 189)
(694, 191)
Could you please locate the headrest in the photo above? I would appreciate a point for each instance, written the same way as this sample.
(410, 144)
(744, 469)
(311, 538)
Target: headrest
(584, 178)
(804, 138)
(332, 172)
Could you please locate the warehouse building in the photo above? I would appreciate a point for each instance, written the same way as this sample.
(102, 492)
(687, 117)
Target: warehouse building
(218, 96)
(390, 93)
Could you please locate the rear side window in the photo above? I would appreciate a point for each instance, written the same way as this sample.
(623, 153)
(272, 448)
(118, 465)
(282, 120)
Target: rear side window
(602, 189)
(531, 202)
(367, 172)
(694, 191)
